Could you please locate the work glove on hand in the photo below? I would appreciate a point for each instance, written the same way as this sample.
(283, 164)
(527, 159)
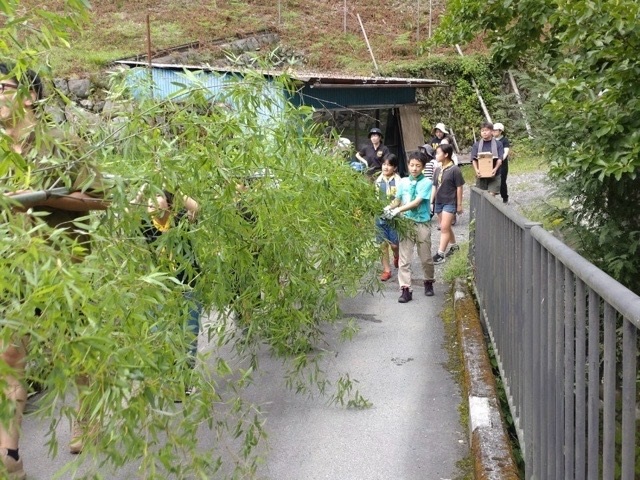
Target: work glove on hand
(386, 213)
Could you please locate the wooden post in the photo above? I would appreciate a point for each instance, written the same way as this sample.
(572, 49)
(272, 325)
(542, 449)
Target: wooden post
(344, 17)
(475, 86)
(149, 54)
(430, 16)
(519, 100)
(418, 24)
(375, 64)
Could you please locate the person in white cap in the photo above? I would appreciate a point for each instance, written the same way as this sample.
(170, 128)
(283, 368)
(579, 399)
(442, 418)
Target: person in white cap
(498, 134)
(439, 132)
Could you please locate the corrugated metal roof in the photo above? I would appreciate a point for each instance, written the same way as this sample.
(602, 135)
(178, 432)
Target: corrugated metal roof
(313, 79)
(172, 84)
(165, 83)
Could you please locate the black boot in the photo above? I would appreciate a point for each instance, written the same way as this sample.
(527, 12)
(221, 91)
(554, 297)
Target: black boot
(428, 288)
(406, 295)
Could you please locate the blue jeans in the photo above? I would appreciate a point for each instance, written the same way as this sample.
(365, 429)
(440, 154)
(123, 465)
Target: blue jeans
(445, 207)
(385, 232)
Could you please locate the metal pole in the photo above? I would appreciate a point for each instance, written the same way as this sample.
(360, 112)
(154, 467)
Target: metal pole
(519, 100)
(475, 86)
(368, 45)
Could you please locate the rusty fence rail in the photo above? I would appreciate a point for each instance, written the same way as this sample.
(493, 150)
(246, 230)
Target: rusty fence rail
(566, 338)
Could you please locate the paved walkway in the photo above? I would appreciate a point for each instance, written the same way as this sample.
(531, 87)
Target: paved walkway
(411, 432)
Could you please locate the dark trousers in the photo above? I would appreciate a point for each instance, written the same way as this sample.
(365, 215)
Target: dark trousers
(504, 170)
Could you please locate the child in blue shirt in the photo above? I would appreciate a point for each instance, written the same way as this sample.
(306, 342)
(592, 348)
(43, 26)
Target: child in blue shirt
(413, 200)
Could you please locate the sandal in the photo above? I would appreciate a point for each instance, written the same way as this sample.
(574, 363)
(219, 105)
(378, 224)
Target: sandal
(385, 276)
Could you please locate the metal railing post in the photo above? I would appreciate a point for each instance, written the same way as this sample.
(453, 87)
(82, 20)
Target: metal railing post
(546, 309)
(527, 315)
(569, 374)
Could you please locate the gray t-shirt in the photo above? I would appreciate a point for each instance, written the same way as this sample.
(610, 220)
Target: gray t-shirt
(446, 181)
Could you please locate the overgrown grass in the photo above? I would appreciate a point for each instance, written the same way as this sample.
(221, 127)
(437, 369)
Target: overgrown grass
(506, 412)
(117, 29)
(457, 266)
(526, 157)
(126, 37)
(546, 213)
(455, 366)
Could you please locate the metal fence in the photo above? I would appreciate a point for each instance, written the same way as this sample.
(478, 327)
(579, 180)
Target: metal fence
(566, 338)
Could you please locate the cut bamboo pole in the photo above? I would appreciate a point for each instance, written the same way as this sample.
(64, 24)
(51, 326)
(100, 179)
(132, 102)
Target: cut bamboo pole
(375, 64)
(520, 105)
(455, 142)
(475, 86)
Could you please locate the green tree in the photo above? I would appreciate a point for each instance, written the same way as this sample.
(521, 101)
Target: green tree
(276, 253)
(582, 56)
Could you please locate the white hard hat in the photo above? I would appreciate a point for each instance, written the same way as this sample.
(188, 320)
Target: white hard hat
(498, 126)
(440, 126)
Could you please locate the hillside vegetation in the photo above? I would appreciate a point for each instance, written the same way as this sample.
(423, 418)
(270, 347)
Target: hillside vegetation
(396, 30)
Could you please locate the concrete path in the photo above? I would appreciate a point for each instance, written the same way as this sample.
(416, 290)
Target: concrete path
(411, 431)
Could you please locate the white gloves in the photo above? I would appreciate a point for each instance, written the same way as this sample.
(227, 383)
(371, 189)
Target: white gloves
(388, 213)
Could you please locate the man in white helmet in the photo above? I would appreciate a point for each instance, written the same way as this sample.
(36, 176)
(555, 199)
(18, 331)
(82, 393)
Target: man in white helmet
(498, 134)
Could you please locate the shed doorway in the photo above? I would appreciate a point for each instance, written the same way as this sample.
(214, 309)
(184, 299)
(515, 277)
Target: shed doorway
(400, 124)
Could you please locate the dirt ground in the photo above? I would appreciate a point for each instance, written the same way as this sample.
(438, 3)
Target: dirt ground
(526, 190)
(326, 34)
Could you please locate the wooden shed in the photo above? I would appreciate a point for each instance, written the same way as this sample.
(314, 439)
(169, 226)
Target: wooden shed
(351, 104)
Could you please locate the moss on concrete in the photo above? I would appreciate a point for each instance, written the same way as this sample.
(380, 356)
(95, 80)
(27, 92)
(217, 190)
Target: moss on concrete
(490, 445)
